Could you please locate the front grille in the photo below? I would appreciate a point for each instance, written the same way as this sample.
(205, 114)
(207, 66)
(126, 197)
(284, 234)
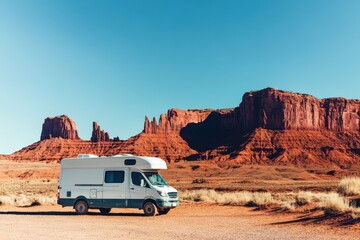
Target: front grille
(173, 194)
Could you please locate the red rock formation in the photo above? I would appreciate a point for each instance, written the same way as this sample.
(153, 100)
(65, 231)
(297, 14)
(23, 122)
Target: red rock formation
(298, 147)
(60, 126)
(274, 110)
(277, 127)
(278, 110)
(99, 135)
(341, 114)
(170, 147)
(174, 120)
(268, 127)
(55, 149)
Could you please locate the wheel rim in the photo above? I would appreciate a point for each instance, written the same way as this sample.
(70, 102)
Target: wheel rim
(81, 207)
(148, 209)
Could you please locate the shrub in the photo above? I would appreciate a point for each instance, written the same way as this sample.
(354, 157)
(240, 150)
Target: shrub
(195, 167)
(263, 198)
(260, 199)
(287, 205)
(199, 180)
(202, 195)
(306, 197)
(6, 200)
(27, 201)
(349, 186)
(334, 203)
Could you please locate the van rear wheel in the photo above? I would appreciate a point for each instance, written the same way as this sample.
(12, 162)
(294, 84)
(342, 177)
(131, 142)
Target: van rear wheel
(81, 207)
(105, 210)
(149, 209)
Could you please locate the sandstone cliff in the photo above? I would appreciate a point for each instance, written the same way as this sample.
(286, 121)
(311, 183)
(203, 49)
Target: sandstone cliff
(60, 126)
(279, 110)
(273, 110)
(99, 135)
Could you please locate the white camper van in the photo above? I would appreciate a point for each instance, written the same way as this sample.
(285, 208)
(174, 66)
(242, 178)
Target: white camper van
(121, 181)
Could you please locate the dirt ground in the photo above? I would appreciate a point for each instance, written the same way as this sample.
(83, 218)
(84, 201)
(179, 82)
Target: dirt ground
(189, 221)
(41, 177)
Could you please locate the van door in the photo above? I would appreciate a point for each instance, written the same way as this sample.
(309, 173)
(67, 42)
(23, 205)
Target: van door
(138, 189)
(114, 190)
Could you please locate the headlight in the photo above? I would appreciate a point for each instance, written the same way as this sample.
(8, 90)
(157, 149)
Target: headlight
(162, 193)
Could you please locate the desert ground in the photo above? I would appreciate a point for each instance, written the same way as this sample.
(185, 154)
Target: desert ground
(28, 207)
(189, 221)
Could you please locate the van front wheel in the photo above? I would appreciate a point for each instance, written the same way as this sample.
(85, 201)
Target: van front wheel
(149, 209)
(81, 207)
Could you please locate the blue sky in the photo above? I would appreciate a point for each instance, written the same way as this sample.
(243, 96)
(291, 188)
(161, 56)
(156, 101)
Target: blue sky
(116, 61)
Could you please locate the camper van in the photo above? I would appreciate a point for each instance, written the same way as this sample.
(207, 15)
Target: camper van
(121, 181)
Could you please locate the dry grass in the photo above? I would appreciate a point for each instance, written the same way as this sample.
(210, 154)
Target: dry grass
(334, 203)
(349, 186)
(260, 199)
(27, 200)
(306, 197)
(26, 193)
(331, 203)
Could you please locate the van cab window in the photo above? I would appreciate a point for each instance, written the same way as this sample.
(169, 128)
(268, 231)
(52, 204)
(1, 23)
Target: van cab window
(155, 178)
(114, 176)
(138, 179)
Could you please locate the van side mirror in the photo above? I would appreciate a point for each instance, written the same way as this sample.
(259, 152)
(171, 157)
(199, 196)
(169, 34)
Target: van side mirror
(142, 183)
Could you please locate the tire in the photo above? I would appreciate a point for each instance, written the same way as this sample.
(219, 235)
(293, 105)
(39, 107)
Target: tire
(105, 211)
(164, 211)
(81, 207)
(149, 209)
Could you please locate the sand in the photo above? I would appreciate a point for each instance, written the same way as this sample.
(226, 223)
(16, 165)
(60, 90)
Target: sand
(189, 221)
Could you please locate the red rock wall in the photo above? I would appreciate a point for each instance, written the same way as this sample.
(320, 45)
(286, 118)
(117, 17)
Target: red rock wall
(60, 126)
(340, 114)
(278, 110)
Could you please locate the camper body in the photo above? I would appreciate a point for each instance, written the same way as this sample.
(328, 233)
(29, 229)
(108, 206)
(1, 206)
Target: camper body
(122, 181)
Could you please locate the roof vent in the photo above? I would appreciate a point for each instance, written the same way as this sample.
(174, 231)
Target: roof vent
(86, 156)
(123, 155)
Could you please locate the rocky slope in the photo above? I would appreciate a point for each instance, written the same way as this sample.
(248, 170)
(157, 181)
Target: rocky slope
(268, 127)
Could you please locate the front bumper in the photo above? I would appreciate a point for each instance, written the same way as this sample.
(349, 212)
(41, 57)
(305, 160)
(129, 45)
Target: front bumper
(167, 203)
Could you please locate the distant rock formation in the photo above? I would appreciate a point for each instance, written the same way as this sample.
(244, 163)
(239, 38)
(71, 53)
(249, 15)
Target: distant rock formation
(268, 127)
(60, 126)
(174, 120)
(273, 110)
(99, 135)
(279, 110)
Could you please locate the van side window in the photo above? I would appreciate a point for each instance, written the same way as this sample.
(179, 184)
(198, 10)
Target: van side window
(114, 176)
(136, 178)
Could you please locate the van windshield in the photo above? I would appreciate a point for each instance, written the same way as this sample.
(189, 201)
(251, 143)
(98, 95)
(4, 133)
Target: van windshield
(155, 178)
